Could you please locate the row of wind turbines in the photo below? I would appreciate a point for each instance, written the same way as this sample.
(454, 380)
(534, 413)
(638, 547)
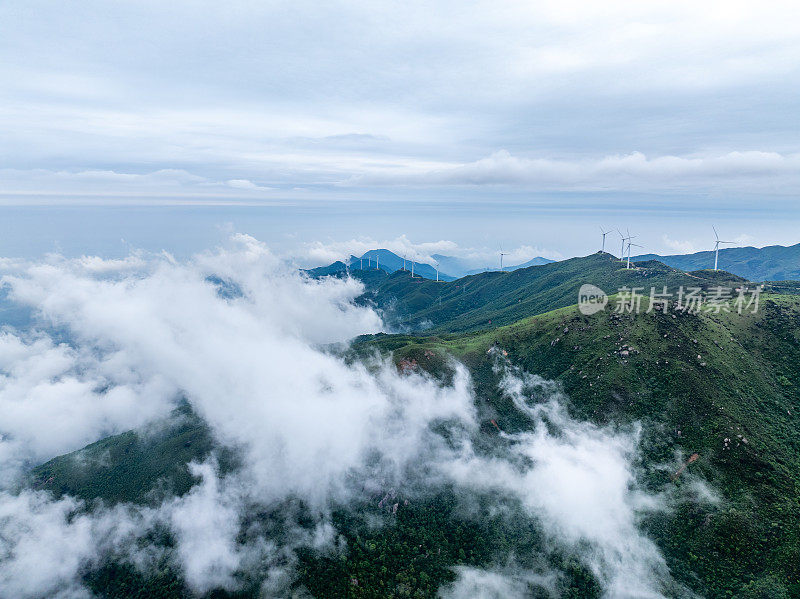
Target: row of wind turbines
(630, 244)
(626, 240)
(378, 265)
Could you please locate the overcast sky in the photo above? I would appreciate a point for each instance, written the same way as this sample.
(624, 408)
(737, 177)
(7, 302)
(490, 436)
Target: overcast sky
(598, 111)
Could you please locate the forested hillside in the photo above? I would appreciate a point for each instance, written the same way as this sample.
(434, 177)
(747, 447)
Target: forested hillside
(716, 394)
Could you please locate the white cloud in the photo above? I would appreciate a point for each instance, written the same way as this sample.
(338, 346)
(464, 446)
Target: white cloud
(678, 246)
(577, 480)
(473, 583)
(251, 368)
(247, 357)
(631, 171)
(248, 363)
(206, 523)
(45, 544)
(246, 184)
(320, 253)
(550, 82)
(55, 399)
(108, 184)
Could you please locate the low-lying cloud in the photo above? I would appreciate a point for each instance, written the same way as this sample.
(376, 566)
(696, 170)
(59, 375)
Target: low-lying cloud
(578, 481)
(247, 342)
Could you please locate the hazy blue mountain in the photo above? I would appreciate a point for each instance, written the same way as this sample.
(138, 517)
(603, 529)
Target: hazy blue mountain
(387, 261)
(450, 267)
(538, 261)
(771, 263)
(460, 268)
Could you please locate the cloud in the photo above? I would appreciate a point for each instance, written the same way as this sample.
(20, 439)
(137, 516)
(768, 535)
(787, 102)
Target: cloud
(253, 369)
(206, 523)
(473, 583)
(248, 362)
(45, 544)
(56, 398)
(246, 340)
(555, 85)
(109, 183)
(578, 481)
(631, 171)
(678, 246)
(246, 184)
(320, 253)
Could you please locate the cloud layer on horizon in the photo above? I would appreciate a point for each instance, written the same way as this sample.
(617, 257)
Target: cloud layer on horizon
(229, 102)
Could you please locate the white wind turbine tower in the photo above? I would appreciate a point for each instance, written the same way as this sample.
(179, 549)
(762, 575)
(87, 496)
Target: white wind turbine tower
(629, 252)
(622, 249)
(716, 247)
(603, 249)
(624, 239)
(501, 257)
(436, 262)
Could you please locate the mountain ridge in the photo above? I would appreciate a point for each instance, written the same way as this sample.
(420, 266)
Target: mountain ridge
(769, 263)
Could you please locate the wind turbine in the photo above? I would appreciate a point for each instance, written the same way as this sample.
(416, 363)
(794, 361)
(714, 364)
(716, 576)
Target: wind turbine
(437, 270)
(716, 247)
(501, 257)
(629, 252)
(624, 239)
(604, 238)
(622, 249)
(377, 262)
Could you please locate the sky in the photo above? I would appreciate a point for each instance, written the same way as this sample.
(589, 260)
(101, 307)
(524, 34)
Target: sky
(156, 125)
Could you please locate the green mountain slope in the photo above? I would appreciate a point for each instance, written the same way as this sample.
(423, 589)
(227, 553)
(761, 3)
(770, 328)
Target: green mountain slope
(775, 262)
(498, 298)
(723, 386)
(136, 466)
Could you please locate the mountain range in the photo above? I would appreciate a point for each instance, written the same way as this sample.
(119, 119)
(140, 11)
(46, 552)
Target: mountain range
(449, 267)
(771, 263)
(497, 298)
(714, 394)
